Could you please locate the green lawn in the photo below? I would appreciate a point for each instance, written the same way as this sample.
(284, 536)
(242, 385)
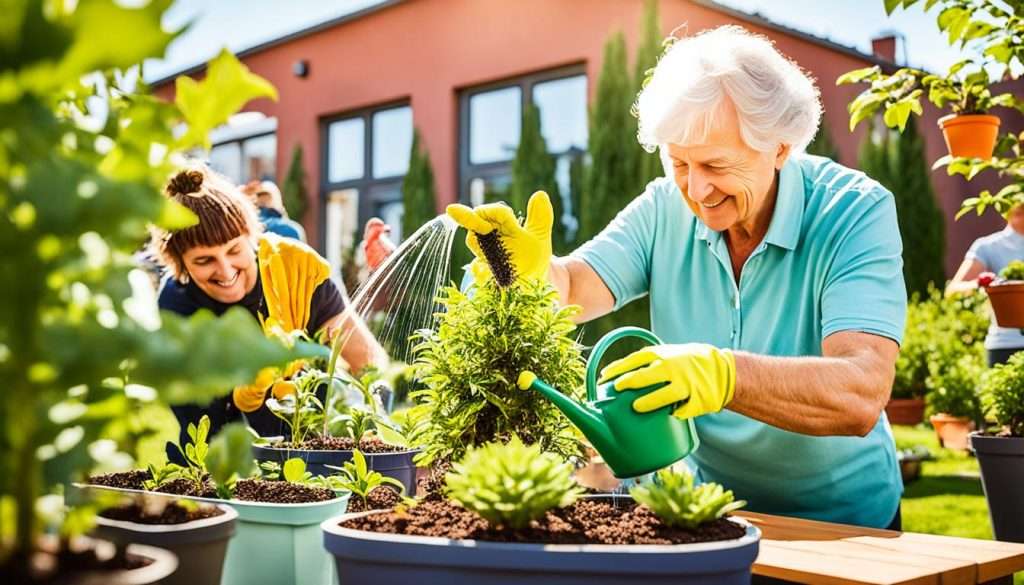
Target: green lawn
(947, 499)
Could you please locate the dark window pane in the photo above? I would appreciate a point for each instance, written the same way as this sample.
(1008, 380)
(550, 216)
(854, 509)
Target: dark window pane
(563, 112)
(345, 147)
(494, 119)
(392, 141)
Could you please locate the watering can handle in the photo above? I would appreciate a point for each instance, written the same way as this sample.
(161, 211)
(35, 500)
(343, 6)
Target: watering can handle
(602, 346)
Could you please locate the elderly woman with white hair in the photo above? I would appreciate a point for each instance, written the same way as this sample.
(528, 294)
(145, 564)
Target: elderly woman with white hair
(775, 278)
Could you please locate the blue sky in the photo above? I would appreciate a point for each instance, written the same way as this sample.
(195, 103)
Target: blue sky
(240, 24)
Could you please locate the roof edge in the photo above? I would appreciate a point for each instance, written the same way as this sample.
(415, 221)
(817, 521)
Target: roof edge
(284, 39)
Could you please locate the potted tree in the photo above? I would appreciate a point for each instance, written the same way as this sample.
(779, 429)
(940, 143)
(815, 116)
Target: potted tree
(514, 512)
(1006, 293)
(1000, 449)
(85, 154)
(952, 400)
(992, 37)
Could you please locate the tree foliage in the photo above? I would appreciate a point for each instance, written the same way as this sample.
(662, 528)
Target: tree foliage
(293, 190)
(419, 191)
(83, 157)
(897, 161)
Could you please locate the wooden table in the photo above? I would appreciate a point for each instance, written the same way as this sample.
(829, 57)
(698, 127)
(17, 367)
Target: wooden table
(805, 551)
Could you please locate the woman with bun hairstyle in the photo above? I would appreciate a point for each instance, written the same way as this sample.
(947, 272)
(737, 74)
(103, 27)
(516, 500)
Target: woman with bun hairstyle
(224, 261)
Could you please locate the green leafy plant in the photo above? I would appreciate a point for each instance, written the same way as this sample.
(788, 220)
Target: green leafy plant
(991, 35)
(953, 382)
(1013, 271)
(301, 408)
(936, 326)
(512, 484)
(229, 458)
(356, 477)
(675, 500)
(469, 366)
(1002, 392)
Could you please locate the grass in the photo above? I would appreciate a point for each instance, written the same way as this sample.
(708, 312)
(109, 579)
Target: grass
(947, 498)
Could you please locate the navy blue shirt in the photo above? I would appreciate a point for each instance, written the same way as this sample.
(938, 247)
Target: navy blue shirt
(276, 223)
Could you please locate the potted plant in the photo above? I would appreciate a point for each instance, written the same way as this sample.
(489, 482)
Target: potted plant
(1000, 449)
(326, 426)
(515, 513)
(1006, 293)
(993, 38)
(282, 506)
(85, 154)
(469, 364)
(906, 405)
(952, 400)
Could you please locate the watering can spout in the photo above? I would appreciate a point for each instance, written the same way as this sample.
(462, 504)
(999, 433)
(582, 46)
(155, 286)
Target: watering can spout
(588, 420)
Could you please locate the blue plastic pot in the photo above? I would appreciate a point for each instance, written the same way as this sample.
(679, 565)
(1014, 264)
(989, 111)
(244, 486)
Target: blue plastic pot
(395, 559)
(397, 465)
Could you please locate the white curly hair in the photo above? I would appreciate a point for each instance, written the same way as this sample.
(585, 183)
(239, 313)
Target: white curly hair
(775, 100)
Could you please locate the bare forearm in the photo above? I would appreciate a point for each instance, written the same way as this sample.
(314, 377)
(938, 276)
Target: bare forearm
(578, 284)
(811, 395)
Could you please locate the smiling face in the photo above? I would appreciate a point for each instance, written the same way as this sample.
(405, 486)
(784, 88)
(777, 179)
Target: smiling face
(226, 272)
(726, 183)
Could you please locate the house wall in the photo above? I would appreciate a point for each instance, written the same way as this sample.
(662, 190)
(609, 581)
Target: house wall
(426, 51)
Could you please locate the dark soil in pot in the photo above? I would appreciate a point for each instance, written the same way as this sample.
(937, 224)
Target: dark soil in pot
(585, 522)
(133, 480)
(172, 513)
(280, 492)
(431, 488)
(84, 557)
(380, 498)
(367, 445)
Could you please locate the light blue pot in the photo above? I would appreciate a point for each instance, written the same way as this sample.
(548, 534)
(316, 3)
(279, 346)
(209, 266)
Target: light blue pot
(278, 544)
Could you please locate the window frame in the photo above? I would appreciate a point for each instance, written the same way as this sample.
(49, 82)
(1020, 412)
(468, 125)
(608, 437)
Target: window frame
(525, 83)
(366, 184)
(240, 141)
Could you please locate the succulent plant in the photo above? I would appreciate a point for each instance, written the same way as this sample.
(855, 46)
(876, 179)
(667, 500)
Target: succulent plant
(511, 484)
(675, 500)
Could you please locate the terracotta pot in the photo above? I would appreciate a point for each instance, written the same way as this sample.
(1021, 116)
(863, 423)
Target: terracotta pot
(952, 430)
(971, 135)
(1007, 303)
(905, 411)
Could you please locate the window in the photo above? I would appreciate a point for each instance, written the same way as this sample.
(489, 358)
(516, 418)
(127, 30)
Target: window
(490, 119)
(245, 148)
(366, 157)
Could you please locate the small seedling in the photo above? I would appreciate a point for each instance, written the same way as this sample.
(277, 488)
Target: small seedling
(510, 485)
(675, 500)
(359, 479)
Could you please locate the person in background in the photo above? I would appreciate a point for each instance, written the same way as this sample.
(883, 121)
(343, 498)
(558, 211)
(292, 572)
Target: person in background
(226, 261)
(271, 212)
(990, 254)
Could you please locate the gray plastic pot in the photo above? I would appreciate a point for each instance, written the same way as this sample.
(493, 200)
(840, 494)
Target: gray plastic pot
(200, 545)
(395, 559)
(397, 465)
(1002, 476)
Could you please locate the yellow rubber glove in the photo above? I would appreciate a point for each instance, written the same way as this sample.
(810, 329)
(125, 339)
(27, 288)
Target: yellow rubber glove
(701, 375)
(528, 246)
(290, 271)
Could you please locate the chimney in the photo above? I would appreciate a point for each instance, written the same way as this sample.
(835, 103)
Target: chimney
(884, 47)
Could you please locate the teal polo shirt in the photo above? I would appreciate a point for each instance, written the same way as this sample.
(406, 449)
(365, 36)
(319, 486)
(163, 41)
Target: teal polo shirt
(831, 261)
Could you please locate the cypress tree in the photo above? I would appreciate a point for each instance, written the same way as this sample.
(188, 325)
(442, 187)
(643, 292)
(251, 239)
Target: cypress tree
(610, 180)
(822, 145)
(648, 165)
(897, 161)
(533, 169)
(418, 189)
(293, 190)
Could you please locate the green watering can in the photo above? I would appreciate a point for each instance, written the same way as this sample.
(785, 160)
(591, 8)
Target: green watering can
(631, 443)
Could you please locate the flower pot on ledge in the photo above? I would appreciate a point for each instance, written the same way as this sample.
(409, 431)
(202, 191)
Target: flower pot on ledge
(905, 411)
(1007, 299)
(971, 135)
(952, 430)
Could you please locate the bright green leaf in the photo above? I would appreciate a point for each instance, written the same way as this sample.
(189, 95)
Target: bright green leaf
(294, 469)
(206, 104)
